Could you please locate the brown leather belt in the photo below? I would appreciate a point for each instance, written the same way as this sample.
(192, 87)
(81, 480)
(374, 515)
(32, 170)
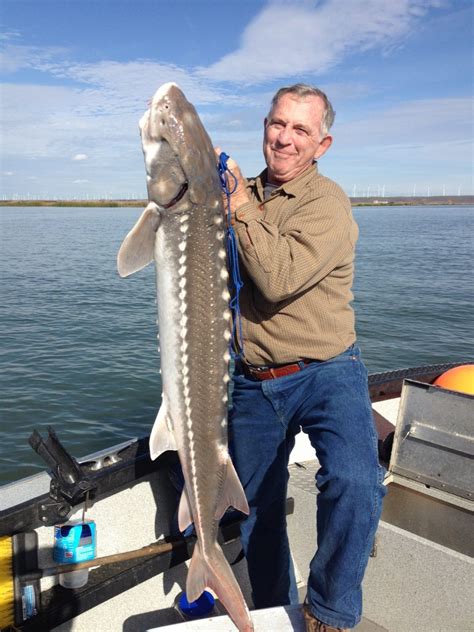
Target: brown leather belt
(272, 372)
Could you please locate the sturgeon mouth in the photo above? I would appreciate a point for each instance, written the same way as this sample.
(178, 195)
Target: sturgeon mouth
(177, 197)
(167, 182)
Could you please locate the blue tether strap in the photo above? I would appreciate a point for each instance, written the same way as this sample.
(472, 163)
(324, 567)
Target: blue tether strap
(229, 185)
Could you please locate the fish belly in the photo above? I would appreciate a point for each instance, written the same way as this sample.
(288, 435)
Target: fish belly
(193, 328)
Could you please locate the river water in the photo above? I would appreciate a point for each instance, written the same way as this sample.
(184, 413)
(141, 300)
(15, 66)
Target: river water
(78, 344)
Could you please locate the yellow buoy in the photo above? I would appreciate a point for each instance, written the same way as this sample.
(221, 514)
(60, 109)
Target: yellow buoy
(461, 379)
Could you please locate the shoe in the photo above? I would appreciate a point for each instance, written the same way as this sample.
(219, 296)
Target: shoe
(315, 625)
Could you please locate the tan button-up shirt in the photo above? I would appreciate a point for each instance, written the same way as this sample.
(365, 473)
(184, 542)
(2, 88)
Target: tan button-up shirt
(297, 263)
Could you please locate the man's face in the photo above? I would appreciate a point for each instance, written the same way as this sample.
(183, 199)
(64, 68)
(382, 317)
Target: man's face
(292, 138)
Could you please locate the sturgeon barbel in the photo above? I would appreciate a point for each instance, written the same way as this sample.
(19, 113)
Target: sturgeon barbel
(182, 230)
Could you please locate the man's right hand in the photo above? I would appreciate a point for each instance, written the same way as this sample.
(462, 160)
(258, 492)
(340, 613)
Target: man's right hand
(237, 184)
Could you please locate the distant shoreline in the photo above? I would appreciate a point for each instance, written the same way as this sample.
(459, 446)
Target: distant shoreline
(440, 200)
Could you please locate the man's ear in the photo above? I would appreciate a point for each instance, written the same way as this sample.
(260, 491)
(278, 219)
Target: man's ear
(323, 146)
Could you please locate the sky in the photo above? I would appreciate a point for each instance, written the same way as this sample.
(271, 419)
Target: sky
(77, 76)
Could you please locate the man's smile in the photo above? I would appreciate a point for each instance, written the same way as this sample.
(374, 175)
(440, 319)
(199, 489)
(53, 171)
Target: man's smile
(284, 154)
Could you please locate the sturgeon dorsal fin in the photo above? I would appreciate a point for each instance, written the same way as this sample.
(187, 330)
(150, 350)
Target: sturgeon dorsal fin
(233, 494)
(138, 247)
(161, 437)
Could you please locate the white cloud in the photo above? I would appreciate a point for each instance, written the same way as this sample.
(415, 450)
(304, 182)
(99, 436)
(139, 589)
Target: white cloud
(14, 57)
(129, 84)
(425, 140)
(80, 157)
(125, 84)
(437, 122)
(291, 39)
(79, 181)
(7, 35)
(38, 121)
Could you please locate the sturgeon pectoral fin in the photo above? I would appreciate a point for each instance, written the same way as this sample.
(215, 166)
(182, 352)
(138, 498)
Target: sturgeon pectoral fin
(233, 494)
(161, 437)
(138, 247)
(184, 512)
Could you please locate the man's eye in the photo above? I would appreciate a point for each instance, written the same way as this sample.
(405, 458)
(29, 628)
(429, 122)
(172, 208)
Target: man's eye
(276, 124)
(301, 131)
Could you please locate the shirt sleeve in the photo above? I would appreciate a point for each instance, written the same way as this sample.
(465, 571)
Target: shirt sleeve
(285, 261)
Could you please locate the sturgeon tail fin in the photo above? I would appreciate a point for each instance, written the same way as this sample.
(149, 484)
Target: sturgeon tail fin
(215, 573)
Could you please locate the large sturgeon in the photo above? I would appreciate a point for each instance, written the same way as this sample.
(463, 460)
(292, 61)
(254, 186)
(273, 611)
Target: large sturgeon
(182, 230)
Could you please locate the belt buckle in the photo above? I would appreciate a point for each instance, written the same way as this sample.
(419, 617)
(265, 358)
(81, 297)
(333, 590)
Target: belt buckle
(257, 371)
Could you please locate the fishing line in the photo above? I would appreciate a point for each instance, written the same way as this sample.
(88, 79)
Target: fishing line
(229, 185)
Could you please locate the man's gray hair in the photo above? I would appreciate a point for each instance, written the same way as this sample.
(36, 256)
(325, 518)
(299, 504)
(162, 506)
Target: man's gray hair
(303, 90)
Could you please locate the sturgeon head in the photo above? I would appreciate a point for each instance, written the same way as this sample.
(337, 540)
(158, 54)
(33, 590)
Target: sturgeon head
(180, 170)
(179, 158)
(182, 231)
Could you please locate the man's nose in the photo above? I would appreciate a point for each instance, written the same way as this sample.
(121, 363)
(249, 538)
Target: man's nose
(284, 136)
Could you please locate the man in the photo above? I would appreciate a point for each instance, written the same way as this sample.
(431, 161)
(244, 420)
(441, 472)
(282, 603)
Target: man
(300, 368)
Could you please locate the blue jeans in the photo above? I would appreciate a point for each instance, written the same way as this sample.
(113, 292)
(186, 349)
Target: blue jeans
(329, 401)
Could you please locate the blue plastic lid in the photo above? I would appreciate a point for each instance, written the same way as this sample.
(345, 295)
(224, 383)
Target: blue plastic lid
(199, 608)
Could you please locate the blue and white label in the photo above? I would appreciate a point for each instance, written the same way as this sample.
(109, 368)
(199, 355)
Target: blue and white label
(28, 602)
(74, 542)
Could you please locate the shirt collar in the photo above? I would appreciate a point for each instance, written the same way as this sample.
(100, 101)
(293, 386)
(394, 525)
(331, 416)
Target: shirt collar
(288, 188)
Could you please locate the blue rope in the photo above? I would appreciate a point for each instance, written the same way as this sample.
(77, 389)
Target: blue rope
(229, 185)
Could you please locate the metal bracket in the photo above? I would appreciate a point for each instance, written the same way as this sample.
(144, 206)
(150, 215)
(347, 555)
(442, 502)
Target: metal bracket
(69, 486)
(454, 441)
